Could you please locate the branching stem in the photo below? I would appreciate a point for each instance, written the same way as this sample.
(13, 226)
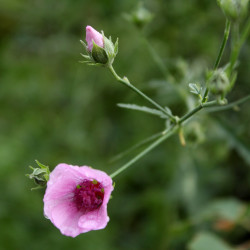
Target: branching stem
(169, 132)
(126, 82)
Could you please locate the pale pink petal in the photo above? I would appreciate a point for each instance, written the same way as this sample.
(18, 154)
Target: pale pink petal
(65, 216)
(93, 35)
(91, 173)
(62, 181)
(94, 220)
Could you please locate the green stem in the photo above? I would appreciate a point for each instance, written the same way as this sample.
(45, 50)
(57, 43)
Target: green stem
(218, 59)
(191, 113)
(245, 32)
(235, 47)
(231, 105)
(238, 43)
(223, 45)
(195, 110)
(145, 151)
(126, 82)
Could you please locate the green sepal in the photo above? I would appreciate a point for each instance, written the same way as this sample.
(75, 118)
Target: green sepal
(95, 64)
(88, 57)
(116, 47)
(85, 56)
(85, 46)
(99, 54)
(234, 9)
(108, 46)
(39, 175)
(87, 62)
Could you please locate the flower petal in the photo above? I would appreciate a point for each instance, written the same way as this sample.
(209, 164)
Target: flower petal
(62, 181)
(93, 35)
(65, 216)
(94, 220)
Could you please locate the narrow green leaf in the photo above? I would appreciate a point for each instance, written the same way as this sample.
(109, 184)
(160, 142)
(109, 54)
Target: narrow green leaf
(142, 109)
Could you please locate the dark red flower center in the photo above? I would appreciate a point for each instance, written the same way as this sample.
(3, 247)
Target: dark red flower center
(89, 195)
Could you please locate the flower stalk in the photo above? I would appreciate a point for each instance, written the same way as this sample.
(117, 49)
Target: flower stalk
(218, 59)
(126, 82)
(238, 42)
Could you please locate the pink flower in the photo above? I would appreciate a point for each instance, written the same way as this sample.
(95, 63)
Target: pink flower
(76, 199)
(93, 35)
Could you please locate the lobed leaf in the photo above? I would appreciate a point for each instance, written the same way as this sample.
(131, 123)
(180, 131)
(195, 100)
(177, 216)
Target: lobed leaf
(195, 88)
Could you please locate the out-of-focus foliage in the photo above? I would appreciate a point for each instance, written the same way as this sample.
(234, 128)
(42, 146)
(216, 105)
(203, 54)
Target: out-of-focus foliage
(54, 109)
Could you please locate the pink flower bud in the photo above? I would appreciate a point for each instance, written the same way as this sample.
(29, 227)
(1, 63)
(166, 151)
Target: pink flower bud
(93, 35)
(76, 199)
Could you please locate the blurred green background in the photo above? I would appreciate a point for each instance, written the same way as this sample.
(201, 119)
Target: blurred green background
(54, 109)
